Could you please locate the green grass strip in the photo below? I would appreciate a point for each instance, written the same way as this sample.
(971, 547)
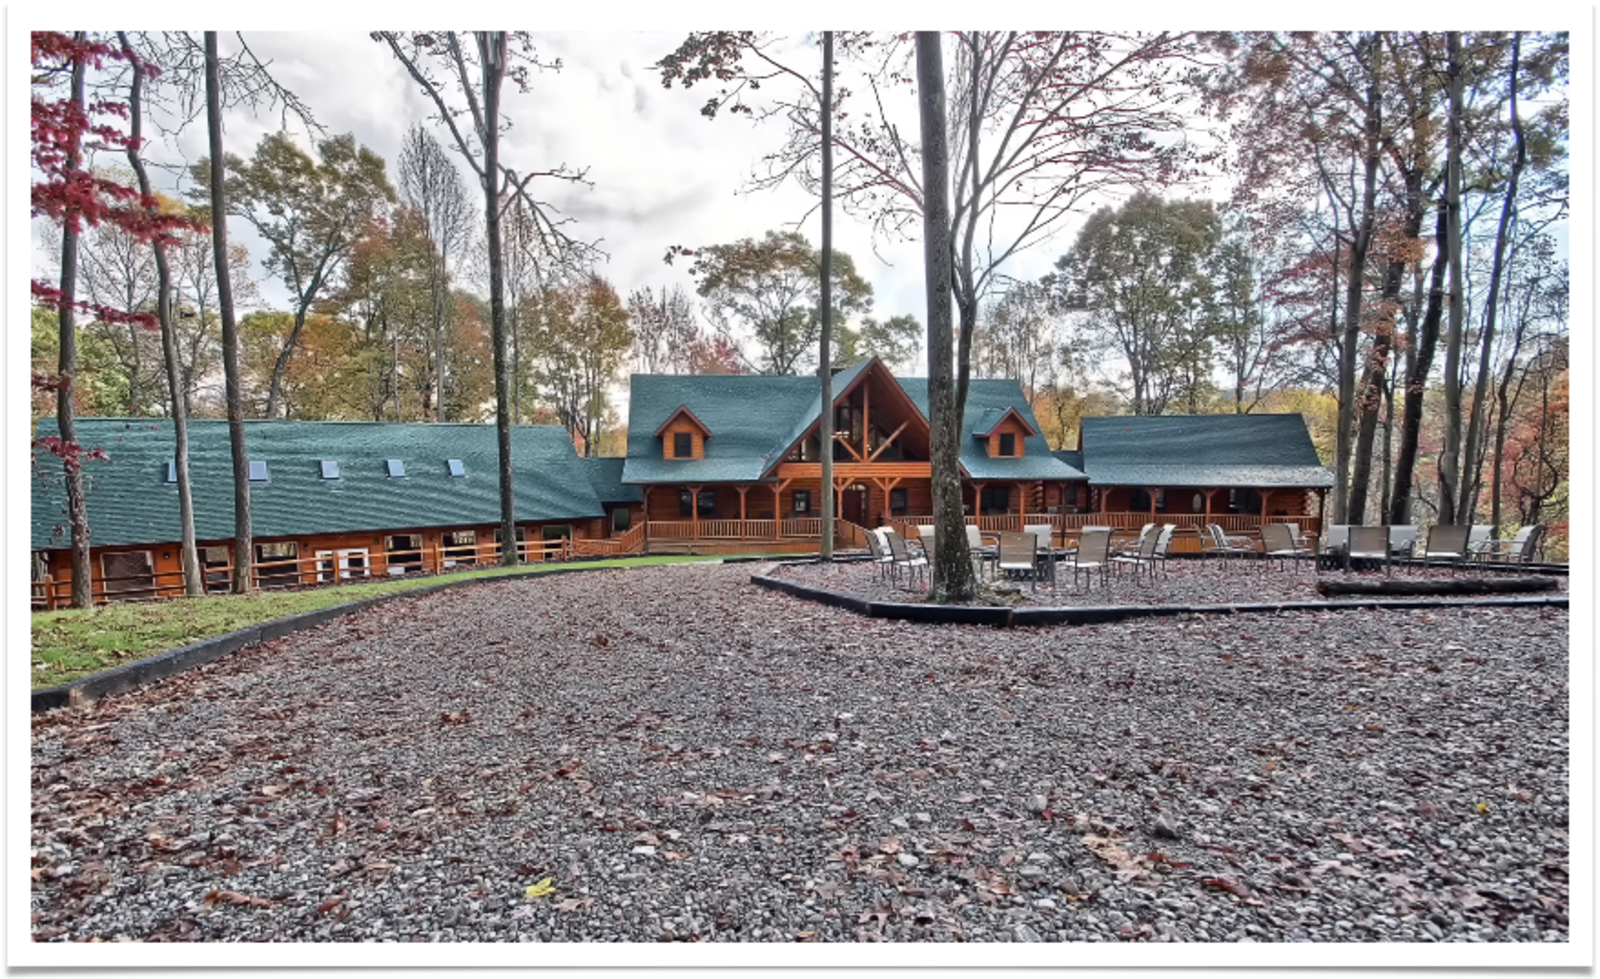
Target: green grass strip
(72, 643)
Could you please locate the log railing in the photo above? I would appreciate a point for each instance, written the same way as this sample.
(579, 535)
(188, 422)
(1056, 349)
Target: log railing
(631, 542)
(341, 565)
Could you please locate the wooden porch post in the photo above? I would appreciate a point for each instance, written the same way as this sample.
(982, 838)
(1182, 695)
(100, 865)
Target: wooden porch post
(866, 420)
(1265, 496)
(977, 502)
(742, 491)
(694, 512)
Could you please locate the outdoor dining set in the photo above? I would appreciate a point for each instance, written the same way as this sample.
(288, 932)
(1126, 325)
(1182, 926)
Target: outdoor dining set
(1033, 556)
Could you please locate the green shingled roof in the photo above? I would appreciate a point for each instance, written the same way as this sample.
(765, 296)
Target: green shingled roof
(756, 419)
(748, 414)
(131, 502)
(605, 475)
(988, 399)
(1202, 450)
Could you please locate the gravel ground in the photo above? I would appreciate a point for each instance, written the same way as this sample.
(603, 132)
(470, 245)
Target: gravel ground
(686, 756)
(1181, 581)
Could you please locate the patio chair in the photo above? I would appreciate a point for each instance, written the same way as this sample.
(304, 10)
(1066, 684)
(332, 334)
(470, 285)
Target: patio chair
(1163, 545)
(1480, 538)
(902, 558)
(1227, 546)
(882, 559)
(1447, 542)
(1519, 549)
(1278, 544)
(1093, 553)
(1368, 544)
(1403, 539)
(1019, 553)
(1136, 546)
(1300, 540)
(1142, 557)
(1044, 541)
(983, 547)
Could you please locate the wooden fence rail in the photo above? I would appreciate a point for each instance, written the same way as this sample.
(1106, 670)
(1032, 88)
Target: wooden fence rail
(336, 564)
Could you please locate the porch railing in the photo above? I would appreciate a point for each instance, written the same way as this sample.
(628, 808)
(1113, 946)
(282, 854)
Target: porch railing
(340, 565)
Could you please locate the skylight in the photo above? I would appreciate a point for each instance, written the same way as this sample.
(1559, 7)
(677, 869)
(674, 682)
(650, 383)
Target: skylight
(397, 469)
(456, 468)
(258, 471)
(330, 469)
(172, 472)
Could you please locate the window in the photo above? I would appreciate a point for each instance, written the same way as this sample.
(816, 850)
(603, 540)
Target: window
(802, 501)
(397, 469)
(522, 538)
(216, 560)
(172, 472)
(129, 574)
(456, 468)
(350, 563)
(996, 499)
(1008, 444)
(258, 471)
(404, 553)
(621, 519)
(330, 469)
(897, 500)
(277, 564)
(460, 547)
(557, 531)
(707, 504)
(682, 445)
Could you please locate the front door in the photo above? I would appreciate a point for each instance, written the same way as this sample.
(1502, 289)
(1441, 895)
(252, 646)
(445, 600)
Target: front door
(853, 504)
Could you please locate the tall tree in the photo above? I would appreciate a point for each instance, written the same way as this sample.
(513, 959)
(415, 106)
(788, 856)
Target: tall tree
(310, 212)
(1138, 273)
(243, 537)
(896, 341)
(664, 328)
(1450, 475)
(188, 552)
(431, 184)
(771, 290)
(442, 65)
(953, 577)
(825, 306)
(584, 343)
(68, 194)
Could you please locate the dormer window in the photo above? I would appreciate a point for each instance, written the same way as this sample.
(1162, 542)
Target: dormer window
(1008, 443)
(682, 445)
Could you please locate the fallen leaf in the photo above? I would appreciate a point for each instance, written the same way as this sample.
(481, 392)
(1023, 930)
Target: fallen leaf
(234, 897)
(541, 889)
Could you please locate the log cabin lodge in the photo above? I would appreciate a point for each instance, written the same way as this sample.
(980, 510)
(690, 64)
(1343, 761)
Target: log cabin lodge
(715, 464)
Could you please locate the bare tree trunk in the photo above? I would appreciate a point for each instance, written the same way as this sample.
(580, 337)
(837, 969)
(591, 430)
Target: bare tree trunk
(953, 578)
(1450, 458)
(281, 365)
(67, 368)
(1360, 241)
(189, 556)
(1375, 380)
(825, 361)
(1470, 487)
(492, 54)
(243, 544)
(1420, 364)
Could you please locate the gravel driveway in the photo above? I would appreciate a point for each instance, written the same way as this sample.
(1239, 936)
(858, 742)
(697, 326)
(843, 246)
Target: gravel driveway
(685, 756)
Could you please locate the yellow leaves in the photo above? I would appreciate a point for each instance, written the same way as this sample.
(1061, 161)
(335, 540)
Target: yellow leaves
(1482, 808)
(544, 888)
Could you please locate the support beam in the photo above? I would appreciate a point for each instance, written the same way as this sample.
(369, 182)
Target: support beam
(742, 491)
(977, 500)
(694, 511)
(888, 441)
(866, 418)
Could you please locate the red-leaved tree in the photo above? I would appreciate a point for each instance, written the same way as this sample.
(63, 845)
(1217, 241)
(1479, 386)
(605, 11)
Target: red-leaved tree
(71, 196)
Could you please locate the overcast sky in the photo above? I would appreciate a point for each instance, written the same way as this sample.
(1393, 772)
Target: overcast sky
(659, 173)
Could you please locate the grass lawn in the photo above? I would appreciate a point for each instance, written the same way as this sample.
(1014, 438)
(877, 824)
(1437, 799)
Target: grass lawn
(73, 643)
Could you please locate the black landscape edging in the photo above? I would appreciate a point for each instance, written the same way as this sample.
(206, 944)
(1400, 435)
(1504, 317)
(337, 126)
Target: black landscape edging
(130, 676)
(1002, 616)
